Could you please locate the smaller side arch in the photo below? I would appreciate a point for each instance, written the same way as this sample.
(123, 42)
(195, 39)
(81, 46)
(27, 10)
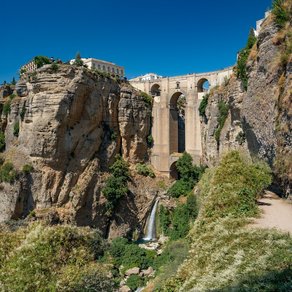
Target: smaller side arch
(203, 85)
(155, 90)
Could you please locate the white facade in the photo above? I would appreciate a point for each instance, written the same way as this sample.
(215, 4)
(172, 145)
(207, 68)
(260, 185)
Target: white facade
(147, 77)
(103, 66)
(260, 22)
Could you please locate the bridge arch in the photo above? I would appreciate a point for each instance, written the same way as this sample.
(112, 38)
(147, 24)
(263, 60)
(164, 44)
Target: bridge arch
(155, 90)
(177, 122)
(203, 85)
(173, 172)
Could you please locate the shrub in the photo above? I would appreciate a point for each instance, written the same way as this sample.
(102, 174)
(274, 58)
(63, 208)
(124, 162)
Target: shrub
(130, 255)
(2, 141)
(241, 70)
(147, 98)
(164, 219)
(41, 61)
(181, 188)
(78, 61)
(27, 168)
(55, 67)
(150, 140)
(116, 185)
(57, 258)
(12, 96)
(134, 282)
(223, 114)
(7, 173)
(7, 107)
(203, 105)
(16, 129)
(280, 12)
(22, 112)
(145, 170)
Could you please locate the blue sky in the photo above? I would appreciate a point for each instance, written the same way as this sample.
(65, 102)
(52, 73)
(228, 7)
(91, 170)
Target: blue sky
(164, 36)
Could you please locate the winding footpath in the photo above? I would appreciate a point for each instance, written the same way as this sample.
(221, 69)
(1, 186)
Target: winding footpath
(276, 213)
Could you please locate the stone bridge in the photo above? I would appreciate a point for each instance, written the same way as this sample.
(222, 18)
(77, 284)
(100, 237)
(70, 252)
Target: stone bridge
(176, 121)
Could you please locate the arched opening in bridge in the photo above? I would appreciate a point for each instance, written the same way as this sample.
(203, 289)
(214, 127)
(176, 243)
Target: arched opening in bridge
(173, 172)
(203, 85)
(155, 90)
(177, 123)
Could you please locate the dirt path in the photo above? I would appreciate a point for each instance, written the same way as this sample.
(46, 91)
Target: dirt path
(277, 213)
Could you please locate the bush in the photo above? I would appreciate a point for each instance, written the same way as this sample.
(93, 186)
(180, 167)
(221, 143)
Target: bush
(27, 168)
(223, 114)
(181, 188)
(16, 129)
(41, 61)
(147, 98)
(2, 141)
(150, 140)
(116, 185)
(145, 170)
(241, 70)
(57, 258)
(78, 61)
(22, 112)
(7, 107)
(7, 173)
(55, 67)
(130, 255)
(12, 96)
(281, 12)
(134, 282)
(203, 105)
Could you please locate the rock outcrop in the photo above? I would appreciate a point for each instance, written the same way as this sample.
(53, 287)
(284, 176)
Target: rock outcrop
(259, 119)
(72, 123)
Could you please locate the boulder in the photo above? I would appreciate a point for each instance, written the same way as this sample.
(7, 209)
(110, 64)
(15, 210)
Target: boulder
(132, 271)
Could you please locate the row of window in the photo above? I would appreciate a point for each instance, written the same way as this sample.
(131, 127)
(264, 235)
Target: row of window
(108, 69)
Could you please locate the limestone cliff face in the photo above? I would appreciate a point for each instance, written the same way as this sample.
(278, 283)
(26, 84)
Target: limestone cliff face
(259, 119)
(72, 123)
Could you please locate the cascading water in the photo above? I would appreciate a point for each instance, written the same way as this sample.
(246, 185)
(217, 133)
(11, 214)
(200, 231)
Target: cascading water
(151, 227)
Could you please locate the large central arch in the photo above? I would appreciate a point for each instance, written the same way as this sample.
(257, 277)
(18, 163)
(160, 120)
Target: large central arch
(177, 123)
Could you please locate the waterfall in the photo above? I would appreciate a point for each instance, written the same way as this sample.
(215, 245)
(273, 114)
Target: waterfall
(151, 227)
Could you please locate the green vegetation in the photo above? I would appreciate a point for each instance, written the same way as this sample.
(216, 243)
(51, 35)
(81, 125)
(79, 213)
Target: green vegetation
(134, 282)
(145, 170)
(55, 67)
(78, 61)
(41, 61)
(147, 98)
(16, 129)
(150, 140)
(223, 114)
(22, 112)
(241, 70)
(12, 96)
(2, 141)
(189, 175)
(7, 173)
(27, 168)
(224, 254)
(176, 223)
(130, 255)
(56, 258)
(116, 185)
(281, 11)
(203, 105)
(7, 107)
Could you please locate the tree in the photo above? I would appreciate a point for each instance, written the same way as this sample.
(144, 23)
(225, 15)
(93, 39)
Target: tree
(78, 61)
(13, 82)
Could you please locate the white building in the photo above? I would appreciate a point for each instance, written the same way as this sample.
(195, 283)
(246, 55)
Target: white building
(147, 77)
(259, 24)
(103, 66)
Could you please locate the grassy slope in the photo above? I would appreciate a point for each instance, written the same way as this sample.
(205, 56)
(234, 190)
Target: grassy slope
(225, 254)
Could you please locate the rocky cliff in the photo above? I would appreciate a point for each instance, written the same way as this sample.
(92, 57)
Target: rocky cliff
(259, 117)
(72, 122)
